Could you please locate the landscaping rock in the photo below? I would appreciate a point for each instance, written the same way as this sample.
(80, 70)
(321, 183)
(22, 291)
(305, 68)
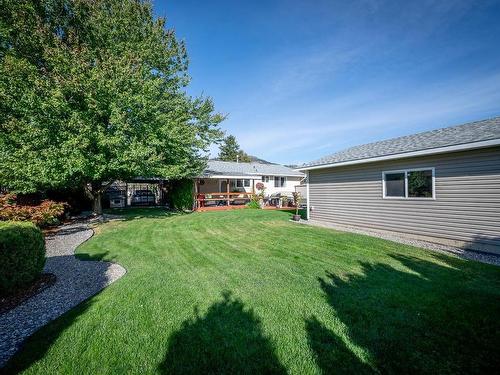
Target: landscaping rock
(461, 253)
(76, 281)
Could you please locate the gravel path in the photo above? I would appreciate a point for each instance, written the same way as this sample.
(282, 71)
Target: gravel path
(461, 253)
(76, 281)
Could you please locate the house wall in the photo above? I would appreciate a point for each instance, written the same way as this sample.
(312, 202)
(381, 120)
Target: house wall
(289, 187)
(465, 211)
(212, 185)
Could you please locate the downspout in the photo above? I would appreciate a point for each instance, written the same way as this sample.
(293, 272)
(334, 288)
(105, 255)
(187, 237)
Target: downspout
(308, 204)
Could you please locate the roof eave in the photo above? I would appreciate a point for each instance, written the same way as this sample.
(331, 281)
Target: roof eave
(431, 151)
(248, 175)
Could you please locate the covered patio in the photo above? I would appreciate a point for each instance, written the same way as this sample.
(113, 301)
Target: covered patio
(227, 185)
(224, 192)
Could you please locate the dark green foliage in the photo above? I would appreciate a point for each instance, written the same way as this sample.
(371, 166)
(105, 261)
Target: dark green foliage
(22, 254)
(181, 194)
(75, 197)
(94, 91)
(230, 151)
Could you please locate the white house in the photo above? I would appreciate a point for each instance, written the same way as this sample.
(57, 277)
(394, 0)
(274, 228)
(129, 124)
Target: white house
(224, 182)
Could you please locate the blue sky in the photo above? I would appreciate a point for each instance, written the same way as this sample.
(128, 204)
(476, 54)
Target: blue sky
(303, 79)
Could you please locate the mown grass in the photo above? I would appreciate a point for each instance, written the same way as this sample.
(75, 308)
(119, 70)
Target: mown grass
(248, 291)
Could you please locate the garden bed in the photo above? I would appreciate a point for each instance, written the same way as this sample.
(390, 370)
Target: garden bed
(10, 301)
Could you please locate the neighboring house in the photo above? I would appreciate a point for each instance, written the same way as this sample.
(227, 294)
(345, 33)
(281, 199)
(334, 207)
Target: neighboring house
(442, 186)
(230, 177)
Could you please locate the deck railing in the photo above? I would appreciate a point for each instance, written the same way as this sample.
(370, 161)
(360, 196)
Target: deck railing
(222, 199)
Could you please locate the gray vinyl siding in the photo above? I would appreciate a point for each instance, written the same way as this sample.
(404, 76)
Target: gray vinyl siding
(465, 211)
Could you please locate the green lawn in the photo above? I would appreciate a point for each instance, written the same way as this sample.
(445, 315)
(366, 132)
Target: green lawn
(247, 291)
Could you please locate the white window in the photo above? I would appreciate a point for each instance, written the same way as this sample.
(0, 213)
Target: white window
(240, 183)
(265, 178)
(279, 181)
(409, 183)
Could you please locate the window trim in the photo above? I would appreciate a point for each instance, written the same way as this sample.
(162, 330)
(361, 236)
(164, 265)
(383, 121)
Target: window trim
(278, 178)
(405, 171)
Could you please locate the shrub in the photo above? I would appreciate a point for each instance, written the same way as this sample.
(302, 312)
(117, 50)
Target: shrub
(253, 203)
(261, 190)
(22, 254)
(76, 198)
(46, 213)
(181, 195)
(284, 201)
(297, 199)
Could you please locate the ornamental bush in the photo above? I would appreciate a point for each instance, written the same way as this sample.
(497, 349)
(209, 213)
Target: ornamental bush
(22, 254)
(181, 194)
(253, 203)
(46, 213)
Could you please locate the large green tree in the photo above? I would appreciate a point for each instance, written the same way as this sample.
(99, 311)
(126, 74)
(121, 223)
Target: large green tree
(92, 91)
(229, 150)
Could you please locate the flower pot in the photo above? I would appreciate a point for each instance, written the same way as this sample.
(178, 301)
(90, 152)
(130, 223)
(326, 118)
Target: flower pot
(296, 217)
(261, 203)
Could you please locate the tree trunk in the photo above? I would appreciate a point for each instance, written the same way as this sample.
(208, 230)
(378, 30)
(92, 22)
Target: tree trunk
(95, 190)
(97, 203)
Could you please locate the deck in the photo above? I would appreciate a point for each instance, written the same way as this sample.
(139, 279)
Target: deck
(228, 201)
(239, 207)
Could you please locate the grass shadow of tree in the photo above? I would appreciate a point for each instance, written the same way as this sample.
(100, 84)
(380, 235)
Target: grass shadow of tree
(432, 317)
(332, 354)
(228, 339)
(37, 345)
(133, 213)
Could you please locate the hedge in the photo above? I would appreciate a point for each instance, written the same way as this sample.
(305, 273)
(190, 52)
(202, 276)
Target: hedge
(22, 254)
(181, 194)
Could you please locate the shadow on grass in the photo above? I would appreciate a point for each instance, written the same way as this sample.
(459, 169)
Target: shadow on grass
(76, 287)
(228, 339)
(430, 318)
(133, 213)
(291, 211)
(103, 256)
(36, 347)
(332, 354)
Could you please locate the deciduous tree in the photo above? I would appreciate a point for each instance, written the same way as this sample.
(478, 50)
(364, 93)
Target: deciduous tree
(92, 91)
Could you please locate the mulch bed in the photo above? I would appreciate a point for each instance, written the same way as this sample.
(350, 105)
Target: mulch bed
(19, 296)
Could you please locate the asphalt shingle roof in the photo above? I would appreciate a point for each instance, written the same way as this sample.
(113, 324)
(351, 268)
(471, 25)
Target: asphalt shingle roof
(229, 168)
(471, 132)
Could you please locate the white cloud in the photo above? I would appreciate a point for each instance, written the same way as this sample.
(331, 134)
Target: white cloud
(342, 90)
(356, 118)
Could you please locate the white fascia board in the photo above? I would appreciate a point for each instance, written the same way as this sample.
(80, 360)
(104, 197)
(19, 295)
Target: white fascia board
(250, 175)
(432, 151)
(235, 177)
